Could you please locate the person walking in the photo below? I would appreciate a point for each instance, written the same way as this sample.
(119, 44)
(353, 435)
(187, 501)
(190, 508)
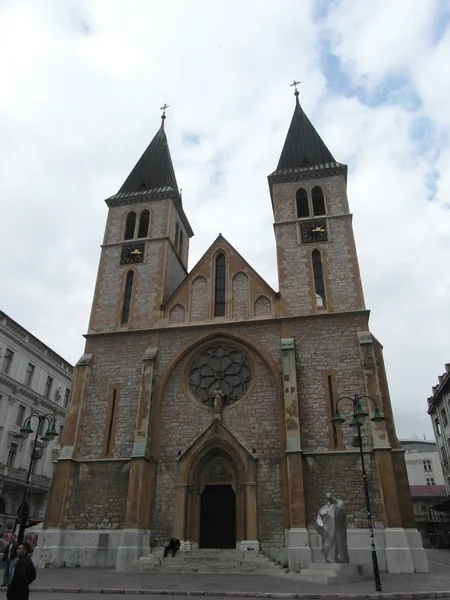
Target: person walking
(8, 557)
(24, 574)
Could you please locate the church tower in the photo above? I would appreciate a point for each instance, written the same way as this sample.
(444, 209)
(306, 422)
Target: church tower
(145, 247)
(202, 407)
(318, 268)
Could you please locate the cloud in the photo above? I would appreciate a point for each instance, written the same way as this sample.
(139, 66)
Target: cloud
(79, 97)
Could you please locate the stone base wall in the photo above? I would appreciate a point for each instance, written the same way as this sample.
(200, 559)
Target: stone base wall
(398, 550)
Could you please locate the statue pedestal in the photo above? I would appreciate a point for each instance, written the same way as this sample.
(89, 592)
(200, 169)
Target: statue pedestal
(330, 573)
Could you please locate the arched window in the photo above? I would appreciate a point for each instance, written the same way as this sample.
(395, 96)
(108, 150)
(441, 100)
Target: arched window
(177, 233)
(219, 303)
(319, 284)
(180, 246)
(318, 201)
(130, 225)
(144, 221)
(302, 203)
(127, 297)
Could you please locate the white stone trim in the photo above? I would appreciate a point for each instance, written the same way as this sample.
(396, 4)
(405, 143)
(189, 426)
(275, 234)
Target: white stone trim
(398, 550)
(298, 546)
(249, 546)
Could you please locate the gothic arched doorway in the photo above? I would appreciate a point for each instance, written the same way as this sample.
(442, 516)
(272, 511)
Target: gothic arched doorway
(216, 493)
(215, 501)
(218, 504)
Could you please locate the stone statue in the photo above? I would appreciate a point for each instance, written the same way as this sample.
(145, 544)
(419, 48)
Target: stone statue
(217, 402)
(331, 524)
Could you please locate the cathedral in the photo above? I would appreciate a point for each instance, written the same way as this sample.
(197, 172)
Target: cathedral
(202, 406)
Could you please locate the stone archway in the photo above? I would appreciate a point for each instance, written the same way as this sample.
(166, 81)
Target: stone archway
(219, 466)
(214, 501)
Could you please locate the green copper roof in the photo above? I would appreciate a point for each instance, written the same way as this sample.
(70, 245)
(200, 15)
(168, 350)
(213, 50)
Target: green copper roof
(303, 146)
(154, 169)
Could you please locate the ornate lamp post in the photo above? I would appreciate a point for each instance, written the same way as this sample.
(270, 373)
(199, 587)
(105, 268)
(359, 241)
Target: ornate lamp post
(359, 416)
(49, 435)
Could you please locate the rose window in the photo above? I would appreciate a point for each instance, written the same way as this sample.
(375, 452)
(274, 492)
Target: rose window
(220, 366)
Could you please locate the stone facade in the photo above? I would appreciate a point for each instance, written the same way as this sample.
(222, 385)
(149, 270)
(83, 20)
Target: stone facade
(34, 380)
(216, 386)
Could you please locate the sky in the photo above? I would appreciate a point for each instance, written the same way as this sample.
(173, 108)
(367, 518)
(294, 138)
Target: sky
(81, 85)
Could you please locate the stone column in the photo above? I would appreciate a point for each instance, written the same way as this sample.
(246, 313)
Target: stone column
(179, 530)
(135, 539)
(50, 549)
(402, 553)
(251, 542)
(297, 537)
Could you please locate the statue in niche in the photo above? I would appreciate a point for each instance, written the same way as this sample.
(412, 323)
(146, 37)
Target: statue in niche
(331, 525)
(217, 398)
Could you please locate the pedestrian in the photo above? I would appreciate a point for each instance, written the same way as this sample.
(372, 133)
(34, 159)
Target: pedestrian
(24, 574)
(8, 557)
(173, 546)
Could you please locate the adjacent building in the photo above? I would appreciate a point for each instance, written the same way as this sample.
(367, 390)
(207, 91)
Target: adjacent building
(202, 405)
(33, 378)
(439, 411)
(427, 484)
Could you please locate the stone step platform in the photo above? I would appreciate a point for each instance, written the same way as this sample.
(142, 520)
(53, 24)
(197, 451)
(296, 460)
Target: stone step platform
(206, 561)
(331, 573)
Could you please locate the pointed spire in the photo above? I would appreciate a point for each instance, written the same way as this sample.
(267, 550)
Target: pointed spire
(154, 169)
(303, 146)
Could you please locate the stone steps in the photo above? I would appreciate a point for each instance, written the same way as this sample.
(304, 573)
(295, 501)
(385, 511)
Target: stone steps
(330, 573)
(207, 561)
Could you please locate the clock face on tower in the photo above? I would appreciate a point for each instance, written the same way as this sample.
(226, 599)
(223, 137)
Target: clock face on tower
(132, 253)
(315, 231)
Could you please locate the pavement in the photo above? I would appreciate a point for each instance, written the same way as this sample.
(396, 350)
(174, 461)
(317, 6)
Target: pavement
(87, 583)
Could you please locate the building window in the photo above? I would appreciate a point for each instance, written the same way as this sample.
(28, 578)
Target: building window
(319, 284)
(301, 198)
(20, 415)
(430, 481)
(427, 465)
(318, 201)
(130, 225)
(144, 221)
(219, 304)
(66, 397)
(60, 436)
(177, 234)
(220, 366)
(29, 375)
(7, 360)
(444, 417)
(180, 245)
(12, 455)
(437, 426)
(127, 297)
(43, 426)
(48, 386)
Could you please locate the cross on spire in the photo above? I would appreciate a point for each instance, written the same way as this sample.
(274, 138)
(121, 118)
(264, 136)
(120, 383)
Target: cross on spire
(163, 116)
(294, 85)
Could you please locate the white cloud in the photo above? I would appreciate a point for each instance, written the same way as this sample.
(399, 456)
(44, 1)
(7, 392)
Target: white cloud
(79, 98)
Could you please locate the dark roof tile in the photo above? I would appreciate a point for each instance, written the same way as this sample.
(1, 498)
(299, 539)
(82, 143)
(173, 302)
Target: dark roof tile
(303, 147)
(154, 169)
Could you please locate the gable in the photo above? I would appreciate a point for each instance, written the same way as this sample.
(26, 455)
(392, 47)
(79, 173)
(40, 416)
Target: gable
(245, 293)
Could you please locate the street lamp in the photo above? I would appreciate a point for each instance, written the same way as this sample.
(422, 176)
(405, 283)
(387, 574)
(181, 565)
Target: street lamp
(359, 416)
(49, 435)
